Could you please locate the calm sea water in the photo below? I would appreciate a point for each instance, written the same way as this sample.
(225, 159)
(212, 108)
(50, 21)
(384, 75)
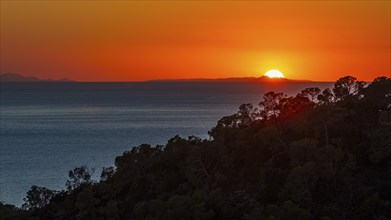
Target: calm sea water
(47, 129)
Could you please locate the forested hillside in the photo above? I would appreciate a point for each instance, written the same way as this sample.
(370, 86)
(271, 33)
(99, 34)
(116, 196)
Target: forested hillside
(317, 155)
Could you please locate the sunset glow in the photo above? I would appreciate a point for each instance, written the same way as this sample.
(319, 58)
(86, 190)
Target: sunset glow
(143, 40)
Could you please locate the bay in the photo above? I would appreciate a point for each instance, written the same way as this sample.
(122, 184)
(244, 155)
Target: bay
(47, 129)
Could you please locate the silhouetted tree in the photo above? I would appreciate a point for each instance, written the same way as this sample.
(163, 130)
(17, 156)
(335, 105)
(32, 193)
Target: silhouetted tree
(346, 86)
(78, 176)
(107, 173)
(326, 97)
(310, 93)
(270, 106)
(38, 197)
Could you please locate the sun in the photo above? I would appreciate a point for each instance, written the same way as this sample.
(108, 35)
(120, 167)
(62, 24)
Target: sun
(274, 74)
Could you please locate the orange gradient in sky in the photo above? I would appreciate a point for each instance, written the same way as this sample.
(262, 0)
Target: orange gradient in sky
(134, 41)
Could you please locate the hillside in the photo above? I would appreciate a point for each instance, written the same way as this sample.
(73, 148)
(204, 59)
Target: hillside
(317, 155)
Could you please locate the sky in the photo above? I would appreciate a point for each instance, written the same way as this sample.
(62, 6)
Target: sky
(144, 40)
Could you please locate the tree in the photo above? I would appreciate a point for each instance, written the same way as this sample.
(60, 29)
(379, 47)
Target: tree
(292, 107)
(327, 97)
(242, 119)
(246, 115)
(107, 173)
(310, 93)
(377, 100)
(78, 176)
(270, 106)
(346, 86)
(38, 197)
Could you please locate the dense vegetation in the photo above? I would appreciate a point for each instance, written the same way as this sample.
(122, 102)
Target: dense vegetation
(317, 155)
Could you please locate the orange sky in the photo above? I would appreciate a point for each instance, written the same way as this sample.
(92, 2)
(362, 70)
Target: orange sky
(133, 41)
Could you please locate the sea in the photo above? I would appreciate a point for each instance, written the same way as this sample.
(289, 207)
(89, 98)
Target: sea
(47, 129)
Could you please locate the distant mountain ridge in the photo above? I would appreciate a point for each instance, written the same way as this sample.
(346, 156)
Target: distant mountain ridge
(14, 77)
(231, 79)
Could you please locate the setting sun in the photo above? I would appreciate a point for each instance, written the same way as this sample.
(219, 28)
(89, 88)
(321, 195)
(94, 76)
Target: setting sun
(274, 74)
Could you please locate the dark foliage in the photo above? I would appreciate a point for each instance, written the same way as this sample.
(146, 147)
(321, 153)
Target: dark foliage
(317, 155)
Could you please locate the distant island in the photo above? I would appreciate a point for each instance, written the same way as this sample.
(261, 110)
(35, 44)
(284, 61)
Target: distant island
(231, 79)
(14, 77)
